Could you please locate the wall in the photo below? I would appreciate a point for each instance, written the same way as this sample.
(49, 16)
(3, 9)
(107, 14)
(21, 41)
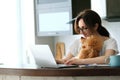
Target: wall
(45, 40)
(114, 29)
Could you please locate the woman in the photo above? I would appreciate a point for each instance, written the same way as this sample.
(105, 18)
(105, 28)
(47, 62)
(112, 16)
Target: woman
(89, 23)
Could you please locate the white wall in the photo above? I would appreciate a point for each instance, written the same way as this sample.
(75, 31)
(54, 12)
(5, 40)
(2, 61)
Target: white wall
(114, 29)
(45, 40)
(99, 6)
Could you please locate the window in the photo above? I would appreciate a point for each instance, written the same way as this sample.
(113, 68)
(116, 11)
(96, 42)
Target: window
(16, 31)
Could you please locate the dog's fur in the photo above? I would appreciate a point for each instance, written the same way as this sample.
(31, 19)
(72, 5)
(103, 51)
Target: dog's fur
(91, 47)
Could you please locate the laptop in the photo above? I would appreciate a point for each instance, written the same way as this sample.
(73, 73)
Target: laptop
(44, 57)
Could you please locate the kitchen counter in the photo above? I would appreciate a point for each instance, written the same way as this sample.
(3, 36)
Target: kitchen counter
(78, 71)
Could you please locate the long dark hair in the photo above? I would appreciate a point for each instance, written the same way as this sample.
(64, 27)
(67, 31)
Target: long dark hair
(90, 18)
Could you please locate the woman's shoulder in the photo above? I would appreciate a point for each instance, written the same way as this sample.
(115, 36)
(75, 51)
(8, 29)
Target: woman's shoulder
(111, 43)
(76, 43)
(77, 40)
(110, 39)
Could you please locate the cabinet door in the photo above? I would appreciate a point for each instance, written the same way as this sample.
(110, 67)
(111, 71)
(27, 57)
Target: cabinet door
(51, 17)
(78, 6)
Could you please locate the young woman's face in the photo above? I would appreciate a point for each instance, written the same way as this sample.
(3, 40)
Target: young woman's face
(83, 28)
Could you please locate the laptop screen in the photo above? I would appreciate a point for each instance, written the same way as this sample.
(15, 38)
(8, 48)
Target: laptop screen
(43, 56)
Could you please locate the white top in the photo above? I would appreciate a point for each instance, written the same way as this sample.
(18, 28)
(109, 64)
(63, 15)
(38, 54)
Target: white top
(108, 44)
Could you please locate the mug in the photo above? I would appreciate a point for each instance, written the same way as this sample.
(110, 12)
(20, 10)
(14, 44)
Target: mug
(114, 61)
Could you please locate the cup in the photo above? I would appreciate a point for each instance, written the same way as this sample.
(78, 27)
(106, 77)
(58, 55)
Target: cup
(114, 61)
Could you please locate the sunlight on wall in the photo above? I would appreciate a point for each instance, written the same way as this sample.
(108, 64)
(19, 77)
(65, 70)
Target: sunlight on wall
(27, 21)
(16, 30)
(99, 7)
(9, 32)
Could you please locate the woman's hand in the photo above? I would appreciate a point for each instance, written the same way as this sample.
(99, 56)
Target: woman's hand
(61, 61)
(64, 60)
(73, 60)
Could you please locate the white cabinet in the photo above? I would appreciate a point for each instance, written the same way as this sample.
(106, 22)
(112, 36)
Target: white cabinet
(9, 77)
(13, 77)
(51, 17)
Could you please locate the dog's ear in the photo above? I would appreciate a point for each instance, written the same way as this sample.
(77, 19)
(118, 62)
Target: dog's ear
(82, 39)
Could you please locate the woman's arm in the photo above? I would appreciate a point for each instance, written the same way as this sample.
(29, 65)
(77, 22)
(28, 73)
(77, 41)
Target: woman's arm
(97, 60)
(110, 49)
(72, 51)
(62, 61)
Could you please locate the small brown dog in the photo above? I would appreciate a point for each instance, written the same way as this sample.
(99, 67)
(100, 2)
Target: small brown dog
(91, 47)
